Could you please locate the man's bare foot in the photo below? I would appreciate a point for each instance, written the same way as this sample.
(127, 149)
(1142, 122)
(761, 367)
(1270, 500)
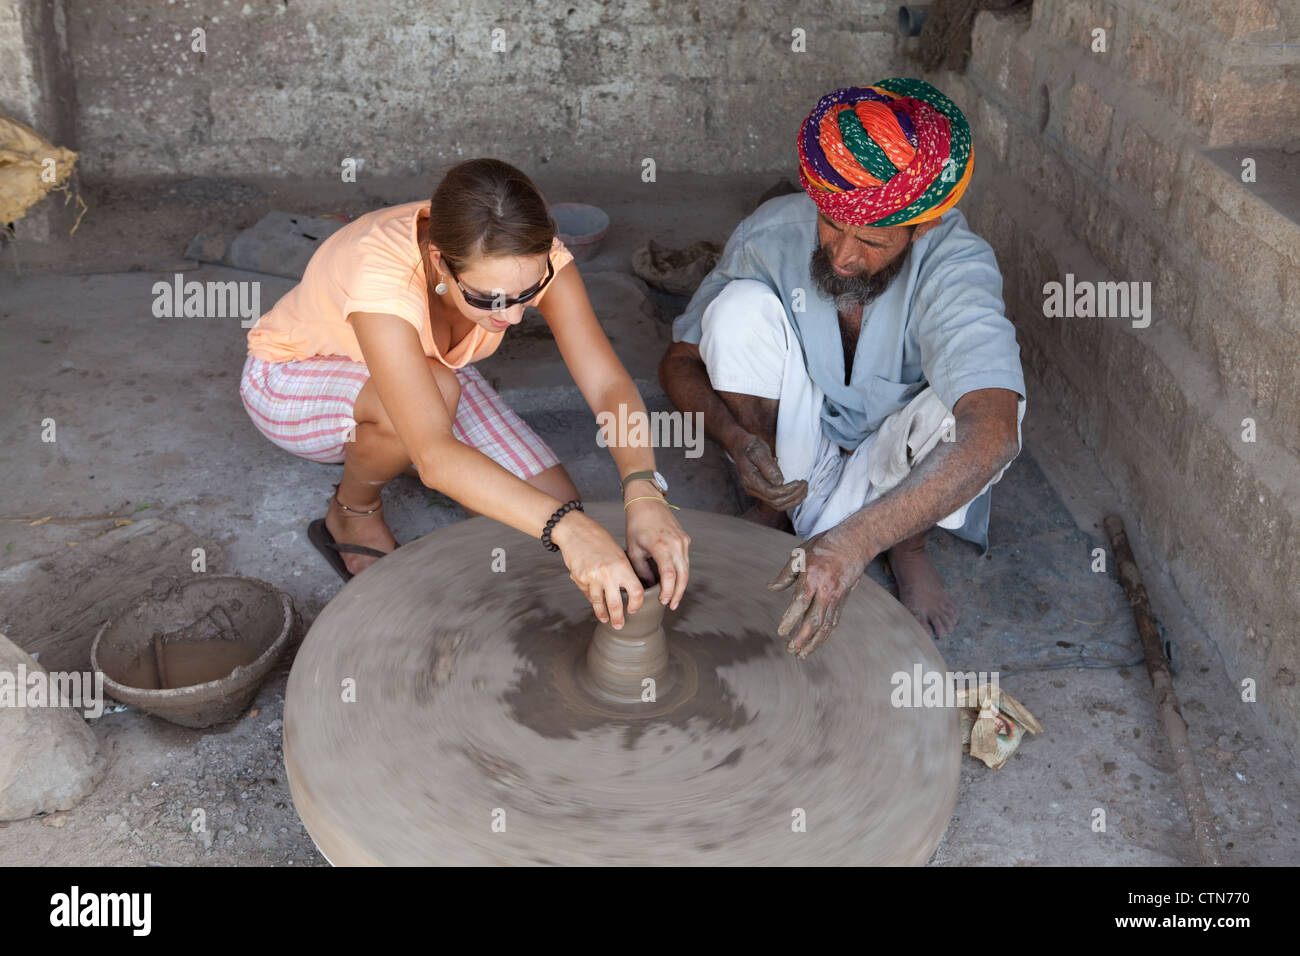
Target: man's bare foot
(368, 530)
(768, 517)
(919, 587)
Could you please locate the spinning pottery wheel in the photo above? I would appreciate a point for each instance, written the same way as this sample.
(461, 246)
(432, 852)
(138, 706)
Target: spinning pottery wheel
(493, 721)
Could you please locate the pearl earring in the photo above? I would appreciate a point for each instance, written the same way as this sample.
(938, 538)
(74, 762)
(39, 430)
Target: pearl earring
(440, 288)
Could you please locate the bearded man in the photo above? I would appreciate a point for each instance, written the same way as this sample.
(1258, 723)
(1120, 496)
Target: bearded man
(851, 353)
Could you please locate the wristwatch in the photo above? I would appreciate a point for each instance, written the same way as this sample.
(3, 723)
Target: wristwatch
(653, 477)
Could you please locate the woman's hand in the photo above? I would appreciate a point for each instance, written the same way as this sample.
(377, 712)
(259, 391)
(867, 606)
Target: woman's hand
(598, 567)
(653, 532)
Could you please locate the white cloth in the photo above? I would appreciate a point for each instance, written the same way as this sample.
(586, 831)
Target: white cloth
(749, 347)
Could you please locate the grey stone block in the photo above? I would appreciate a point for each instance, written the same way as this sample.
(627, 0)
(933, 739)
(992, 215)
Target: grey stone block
(49, 758)
(280, 244)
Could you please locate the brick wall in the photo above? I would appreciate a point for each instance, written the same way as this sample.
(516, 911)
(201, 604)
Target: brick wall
(1101, 164)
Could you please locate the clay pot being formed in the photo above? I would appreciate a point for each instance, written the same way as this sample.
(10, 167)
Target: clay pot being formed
(618, 661)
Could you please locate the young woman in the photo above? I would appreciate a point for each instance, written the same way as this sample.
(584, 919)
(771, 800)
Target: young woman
(367, 361)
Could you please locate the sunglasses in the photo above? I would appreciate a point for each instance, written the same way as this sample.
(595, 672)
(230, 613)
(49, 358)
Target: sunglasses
(497, 303)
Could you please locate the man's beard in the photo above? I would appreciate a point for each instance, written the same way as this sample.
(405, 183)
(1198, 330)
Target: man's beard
(851, 293)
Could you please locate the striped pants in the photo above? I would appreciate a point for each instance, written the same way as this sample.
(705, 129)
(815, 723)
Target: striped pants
(306, 406)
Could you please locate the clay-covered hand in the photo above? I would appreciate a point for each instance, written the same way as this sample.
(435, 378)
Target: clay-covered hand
(598, 566)
(653, 532)
(832, 563)
(761, 476)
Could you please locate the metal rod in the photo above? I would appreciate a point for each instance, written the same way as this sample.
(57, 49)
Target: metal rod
(1162, 684)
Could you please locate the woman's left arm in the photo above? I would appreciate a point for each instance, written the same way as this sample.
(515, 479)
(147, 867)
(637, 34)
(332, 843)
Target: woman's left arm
(652, 530)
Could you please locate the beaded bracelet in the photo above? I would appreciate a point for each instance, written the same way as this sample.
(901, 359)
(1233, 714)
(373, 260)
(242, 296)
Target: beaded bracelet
(550, 525)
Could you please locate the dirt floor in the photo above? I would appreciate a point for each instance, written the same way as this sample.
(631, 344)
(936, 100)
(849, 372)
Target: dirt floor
(151, 431)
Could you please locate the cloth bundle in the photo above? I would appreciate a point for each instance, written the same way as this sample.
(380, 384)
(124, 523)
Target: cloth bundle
(30, 166)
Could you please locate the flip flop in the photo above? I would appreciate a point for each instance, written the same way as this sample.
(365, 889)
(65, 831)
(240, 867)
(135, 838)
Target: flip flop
(320, 536)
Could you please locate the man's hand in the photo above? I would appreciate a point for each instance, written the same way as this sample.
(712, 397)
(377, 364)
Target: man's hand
(833, 563)
(761, 476)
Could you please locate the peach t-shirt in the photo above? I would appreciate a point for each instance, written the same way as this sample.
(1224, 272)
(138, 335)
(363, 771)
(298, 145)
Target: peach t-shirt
(370, 265)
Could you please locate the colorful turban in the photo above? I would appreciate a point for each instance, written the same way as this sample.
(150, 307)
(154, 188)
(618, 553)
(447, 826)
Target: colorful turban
(892, 154)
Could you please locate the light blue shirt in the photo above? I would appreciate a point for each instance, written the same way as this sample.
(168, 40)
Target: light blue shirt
(940, 321)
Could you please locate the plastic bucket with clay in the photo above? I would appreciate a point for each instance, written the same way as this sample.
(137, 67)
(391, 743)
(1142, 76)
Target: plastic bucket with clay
(580, 227)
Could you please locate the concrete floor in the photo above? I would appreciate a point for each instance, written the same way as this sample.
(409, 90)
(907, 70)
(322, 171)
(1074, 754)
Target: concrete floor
(150, 426)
